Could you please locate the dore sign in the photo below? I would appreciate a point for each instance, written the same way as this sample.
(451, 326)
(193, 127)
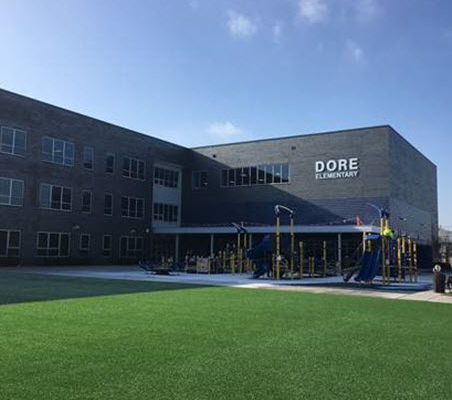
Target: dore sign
(335, 169)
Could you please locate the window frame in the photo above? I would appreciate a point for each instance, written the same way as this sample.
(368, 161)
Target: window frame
(112, 204)
(128, 173)
(256, 175)
(113, 155)
(199, 180)
(48, 248)
(10, 195)
(84, 251)
(130, 201)
(63, 188)
(90, 201)
(8, 246)
(88, 150)
(137, 253)
(52, 154)
(14, 147)
(105, 249)
(165, 212)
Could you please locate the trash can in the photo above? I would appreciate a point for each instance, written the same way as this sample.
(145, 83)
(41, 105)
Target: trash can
(439, 282)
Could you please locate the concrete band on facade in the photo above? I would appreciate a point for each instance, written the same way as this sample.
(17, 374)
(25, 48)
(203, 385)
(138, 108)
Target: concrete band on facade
(329, 179)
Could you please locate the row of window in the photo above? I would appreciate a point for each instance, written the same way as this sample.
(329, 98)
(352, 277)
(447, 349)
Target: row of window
(55, 197)
(258, 175)
(246, 176)
(165, 212)
(166, 177)
(57, 244)
(58, 151)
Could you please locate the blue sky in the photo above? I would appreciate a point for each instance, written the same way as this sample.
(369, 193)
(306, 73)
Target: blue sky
(209, 71)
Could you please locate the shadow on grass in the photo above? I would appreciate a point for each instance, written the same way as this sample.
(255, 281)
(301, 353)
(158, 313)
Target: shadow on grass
(28, 287)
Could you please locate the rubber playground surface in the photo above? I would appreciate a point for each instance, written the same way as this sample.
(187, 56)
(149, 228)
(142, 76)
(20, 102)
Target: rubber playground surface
(84, 338)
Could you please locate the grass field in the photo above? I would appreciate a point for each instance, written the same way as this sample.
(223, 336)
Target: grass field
(139, 340)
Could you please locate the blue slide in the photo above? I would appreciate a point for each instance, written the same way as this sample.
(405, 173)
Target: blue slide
(369, 266)
(261, 255)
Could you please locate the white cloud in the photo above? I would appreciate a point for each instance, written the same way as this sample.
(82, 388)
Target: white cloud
(277, 32)
(366, 9)
(241, 26)
(313, 10)
(224, 129)
(354, 50)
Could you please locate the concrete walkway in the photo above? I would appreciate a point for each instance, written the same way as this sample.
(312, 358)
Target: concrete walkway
(333, 285)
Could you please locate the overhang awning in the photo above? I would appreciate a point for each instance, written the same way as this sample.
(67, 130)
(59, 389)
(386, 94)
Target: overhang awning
(323, 229)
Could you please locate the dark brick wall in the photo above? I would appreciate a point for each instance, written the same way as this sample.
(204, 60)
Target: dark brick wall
(40, 119)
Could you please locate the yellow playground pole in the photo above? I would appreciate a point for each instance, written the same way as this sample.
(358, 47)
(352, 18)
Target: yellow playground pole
(415, 260)
(278, 247)
(311, 266)
(399, 259)
(232, 262)
(244, 251)
(239, 252)
(292, 246)
(388, 257)
(301, 258)
(410, 256)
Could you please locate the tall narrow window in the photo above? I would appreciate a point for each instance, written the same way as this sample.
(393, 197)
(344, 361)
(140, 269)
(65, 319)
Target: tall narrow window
(109, 163)
(88, 157)
(108, 204)
(107, 245)
(13, 141)
(86, 201)
(84, 244)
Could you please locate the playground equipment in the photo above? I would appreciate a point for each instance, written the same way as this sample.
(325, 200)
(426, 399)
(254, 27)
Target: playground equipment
(279, 256)
(386, 253)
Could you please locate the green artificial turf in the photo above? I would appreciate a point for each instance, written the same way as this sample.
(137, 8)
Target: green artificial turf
(221, 343)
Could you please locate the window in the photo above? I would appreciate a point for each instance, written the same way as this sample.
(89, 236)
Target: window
(165, 212)
(53, 244)
(13, 141)
(106, 245)
(132, 207)
(256, 175)
(133, 168)
(131, 247)
(9, 243)
(86, 201)
(199, 180)
(11, 192)
(166, 177)
(57, 151)
(109, 163)
(88, 157)
(84, 244)
(55, 197)
(108, 204)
